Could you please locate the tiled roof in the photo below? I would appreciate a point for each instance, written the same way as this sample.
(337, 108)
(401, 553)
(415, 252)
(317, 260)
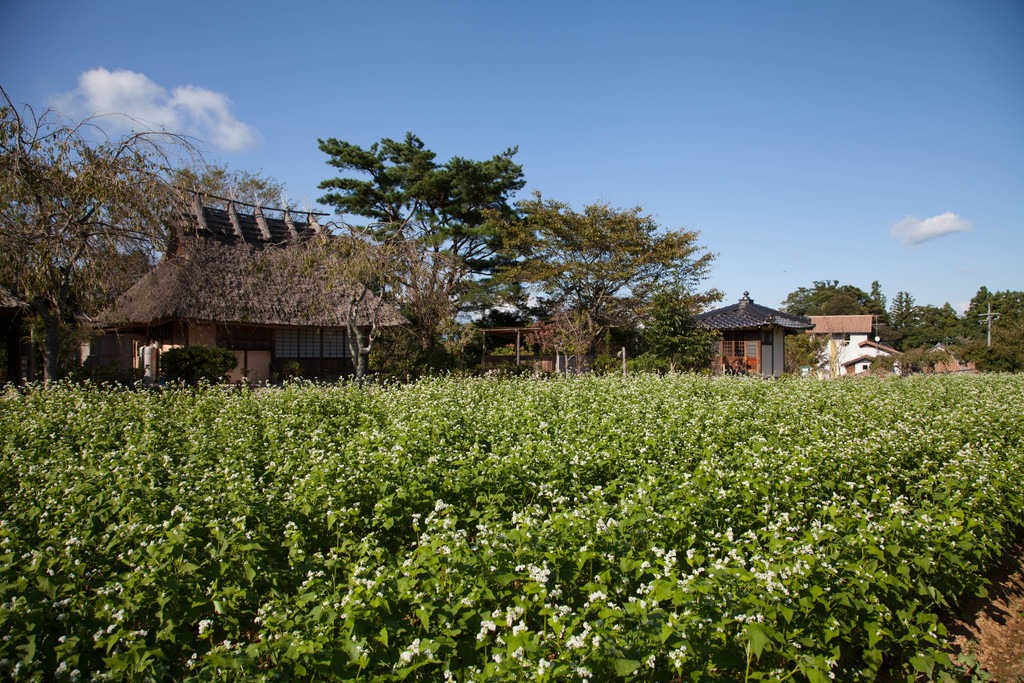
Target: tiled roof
(876, 345)
(746, 315)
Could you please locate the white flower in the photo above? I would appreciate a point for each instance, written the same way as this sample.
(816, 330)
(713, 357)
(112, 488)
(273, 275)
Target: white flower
(486, 626)
(407, 654)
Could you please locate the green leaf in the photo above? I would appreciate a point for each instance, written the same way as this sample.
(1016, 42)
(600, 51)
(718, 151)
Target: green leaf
(505, 579)
(923, 665)
(758, 638)
(816, 676)
(624, 667)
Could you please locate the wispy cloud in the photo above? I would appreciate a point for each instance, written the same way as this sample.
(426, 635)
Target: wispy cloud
(912, 231)
(132, 99)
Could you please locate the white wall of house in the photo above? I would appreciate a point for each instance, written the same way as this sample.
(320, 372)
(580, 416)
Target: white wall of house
(252, 367)
(839, 352)
(773, 356)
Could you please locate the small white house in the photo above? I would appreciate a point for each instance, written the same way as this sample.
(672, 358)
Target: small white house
(850, 344)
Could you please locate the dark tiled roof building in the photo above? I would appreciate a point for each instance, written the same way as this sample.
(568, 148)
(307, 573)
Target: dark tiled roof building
(752, 337)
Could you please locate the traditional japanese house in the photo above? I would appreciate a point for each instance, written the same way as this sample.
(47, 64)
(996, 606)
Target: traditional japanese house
(231, 284)
(752, 337)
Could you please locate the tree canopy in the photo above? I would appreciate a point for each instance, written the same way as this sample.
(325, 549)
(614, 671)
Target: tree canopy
(452, 211)
(828, 297)
(670, 330)
(1006, 354)
(80, 213)
(602, 265)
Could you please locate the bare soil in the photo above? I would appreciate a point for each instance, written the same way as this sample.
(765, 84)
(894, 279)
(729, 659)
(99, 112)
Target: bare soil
(991, 629)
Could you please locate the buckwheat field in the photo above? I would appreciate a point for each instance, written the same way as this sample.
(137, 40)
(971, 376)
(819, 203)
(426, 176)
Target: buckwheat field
(676, 528)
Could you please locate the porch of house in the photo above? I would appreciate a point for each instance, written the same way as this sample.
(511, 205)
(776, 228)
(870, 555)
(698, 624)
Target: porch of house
(264, 353)
(737, 356)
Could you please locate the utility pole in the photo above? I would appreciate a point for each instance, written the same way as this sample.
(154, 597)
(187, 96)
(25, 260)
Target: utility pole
(989, 317)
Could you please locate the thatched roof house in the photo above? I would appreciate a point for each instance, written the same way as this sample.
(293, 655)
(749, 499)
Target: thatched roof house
(241, 281)
(240, 285)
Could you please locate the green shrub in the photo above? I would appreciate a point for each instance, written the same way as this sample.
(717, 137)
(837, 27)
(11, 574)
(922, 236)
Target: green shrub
(193, 364)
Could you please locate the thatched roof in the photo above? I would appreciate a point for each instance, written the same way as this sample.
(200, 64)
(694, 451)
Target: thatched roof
(8, 302)
(214, 282)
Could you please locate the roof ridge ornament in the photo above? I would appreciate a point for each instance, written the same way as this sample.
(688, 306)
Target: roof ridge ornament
(200, 211)
(290, 224)
(236, 223)
(261, 221)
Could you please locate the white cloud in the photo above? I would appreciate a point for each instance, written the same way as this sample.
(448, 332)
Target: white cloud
(913, 231)
(133, 100)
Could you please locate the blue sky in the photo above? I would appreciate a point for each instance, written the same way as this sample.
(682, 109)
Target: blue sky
(852, 141)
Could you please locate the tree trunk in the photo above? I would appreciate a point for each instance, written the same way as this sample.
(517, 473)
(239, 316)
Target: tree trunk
(358, 349)
(51, 347)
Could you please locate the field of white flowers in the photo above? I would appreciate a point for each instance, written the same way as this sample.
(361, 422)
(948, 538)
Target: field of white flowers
(674, 529)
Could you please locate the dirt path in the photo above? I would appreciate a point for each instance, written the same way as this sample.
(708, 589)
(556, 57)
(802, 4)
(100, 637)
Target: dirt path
(991, 629)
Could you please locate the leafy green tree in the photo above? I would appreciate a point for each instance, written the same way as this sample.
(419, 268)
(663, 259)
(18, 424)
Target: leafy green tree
(932, 325)
(804, 350)
(1007, 305)
(602, 266)
(1006, 354)
(80, 214)
(902, 313)
(828, 297)
(671, 333)
(879, 302)
(452, 212)
(999, 357)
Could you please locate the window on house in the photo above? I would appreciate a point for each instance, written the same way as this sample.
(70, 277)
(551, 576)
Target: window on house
(306, 342)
